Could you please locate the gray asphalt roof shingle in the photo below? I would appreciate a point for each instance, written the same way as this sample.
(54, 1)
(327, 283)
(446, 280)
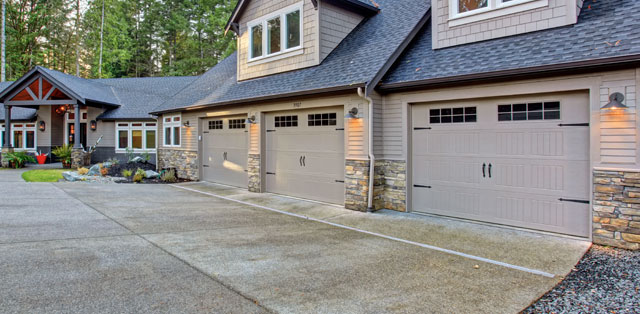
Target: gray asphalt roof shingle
(355, 61)
(600, 26)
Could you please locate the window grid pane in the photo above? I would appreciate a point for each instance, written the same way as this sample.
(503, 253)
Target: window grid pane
(529, 111)
(136, 139)
(273, 35)
(286, 121)
(453, 115)
(123, 139)
(237, 124)
(256, 41)
(293, 29)
(322, 119)
(151, 139)
(176, 135)
(215, 125)
(31, 136)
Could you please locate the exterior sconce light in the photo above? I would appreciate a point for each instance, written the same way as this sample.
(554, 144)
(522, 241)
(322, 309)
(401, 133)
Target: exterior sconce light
(251, 120)
(352, 114)
(615, 102)
(94, 125)
(187, 124)
(42, 126)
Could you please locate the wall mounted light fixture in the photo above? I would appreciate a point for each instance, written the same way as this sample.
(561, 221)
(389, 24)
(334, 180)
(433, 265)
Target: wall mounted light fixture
(93, 125)
(352, 114)
(251, 120)
(42, 126)
(187, 124)
(615, 102)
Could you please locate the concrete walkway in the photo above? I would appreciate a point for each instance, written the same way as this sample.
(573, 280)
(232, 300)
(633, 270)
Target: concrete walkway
(126, 248)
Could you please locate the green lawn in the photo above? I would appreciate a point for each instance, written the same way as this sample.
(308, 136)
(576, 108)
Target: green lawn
(43, 175)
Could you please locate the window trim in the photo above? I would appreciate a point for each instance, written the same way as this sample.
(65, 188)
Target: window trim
(495, 8)
(145, 127)
(24, 128)
(172, 128)
(282, 13)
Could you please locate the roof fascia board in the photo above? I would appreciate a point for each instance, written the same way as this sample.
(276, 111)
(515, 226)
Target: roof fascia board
(329, 90)
(397, 53)
(554, 69)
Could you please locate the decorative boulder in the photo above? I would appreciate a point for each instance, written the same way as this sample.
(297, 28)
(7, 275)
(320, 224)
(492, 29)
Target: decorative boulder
(94, 170)
(72, 176)
(137, 159)
(150, 174)
(107, 164)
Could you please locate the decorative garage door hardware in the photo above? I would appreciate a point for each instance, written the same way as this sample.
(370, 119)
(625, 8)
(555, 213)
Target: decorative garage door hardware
(205, 132)
(340, 129)
(205, 166)
(339, 181)
(573, 201)
(573, 124)
(271, 130)
(484, 167)
(421, 186)
(271, 173)
(303, 161)
(428, 128)
(224, 156)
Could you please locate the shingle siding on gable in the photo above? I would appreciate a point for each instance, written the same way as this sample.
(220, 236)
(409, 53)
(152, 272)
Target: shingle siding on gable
(335, 25)
(557, 13)
(257, 8)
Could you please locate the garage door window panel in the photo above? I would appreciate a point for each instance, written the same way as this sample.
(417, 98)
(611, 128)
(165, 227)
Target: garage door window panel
(286, 121)
(322, 119)
(235, 124)
(529, 111)
(453, 115)
(215, 125)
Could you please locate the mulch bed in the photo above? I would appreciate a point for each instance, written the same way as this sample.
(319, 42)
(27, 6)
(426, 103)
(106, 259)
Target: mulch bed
(606, 280)
(116, 170)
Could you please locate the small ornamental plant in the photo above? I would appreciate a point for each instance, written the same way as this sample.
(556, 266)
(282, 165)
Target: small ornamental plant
(137, 178)
(104, 171)
(127, 173)
(83, 171)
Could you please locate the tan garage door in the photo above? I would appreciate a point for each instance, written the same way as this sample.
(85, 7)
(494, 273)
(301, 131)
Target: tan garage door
(305, 154)
(224, 149)
(520, 162)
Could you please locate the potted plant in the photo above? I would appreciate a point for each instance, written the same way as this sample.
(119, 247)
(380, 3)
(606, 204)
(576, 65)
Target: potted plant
(42, 158)
(64, 155)
(19, 159)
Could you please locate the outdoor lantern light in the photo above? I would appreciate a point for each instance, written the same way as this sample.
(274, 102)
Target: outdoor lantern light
(251, 120)
(186, 124)
(615, 102)
(352, 114)
(42, 126)
(94, 125)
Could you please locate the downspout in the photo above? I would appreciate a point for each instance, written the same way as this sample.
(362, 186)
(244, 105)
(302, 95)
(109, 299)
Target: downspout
(372, 157)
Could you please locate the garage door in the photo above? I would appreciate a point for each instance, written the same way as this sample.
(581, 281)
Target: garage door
(305, 154)
(521, 162)
(224, 149)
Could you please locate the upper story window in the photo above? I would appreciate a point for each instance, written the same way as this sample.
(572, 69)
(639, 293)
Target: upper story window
(277, 33)
(466, 11)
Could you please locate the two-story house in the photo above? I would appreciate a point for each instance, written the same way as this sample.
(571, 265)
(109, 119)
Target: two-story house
(520, 113)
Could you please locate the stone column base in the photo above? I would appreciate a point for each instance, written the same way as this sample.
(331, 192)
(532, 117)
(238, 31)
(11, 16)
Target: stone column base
(390, 186)
(356, 184)
(80, 158)
(253, 169)
(616, 208)
(3, 160)
(184, 161)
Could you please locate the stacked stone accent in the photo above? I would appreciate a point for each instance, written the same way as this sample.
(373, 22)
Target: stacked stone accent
(185, 162)
(616, 208)
(253, 169)
(390, 186)
(356, 183)
(80, 158)
(3, 160)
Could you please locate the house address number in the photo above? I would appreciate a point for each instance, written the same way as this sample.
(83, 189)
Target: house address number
(297, 104)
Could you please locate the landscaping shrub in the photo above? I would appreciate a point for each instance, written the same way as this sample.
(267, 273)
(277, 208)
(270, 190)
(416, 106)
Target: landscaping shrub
(83, 171)
(104, 171)
(169, 176)
(19, 159)
(64, 154)
(137, 178)
(127, 173)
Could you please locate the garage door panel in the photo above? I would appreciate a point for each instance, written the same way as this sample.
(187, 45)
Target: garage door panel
(536, 172)
(224, 153)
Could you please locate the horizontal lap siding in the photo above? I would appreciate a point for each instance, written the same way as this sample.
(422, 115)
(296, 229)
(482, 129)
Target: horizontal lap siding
(389, 128)
(618, 135)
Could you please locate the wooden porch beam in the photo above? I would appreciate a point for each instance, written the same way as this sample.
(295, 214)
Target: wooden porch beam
(19, 103)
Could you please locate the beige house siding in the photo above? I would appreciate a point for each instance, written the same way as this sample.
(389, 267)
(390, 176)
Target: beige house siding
(335, 24)
(44, 138)
(106, 129)
(56, 127)
(309, 57)
(557, 13)
(613, 136)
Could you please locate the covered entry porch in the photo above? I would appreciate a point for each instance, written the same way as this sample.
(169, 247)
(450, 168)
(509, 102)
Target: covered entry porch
(56, 111)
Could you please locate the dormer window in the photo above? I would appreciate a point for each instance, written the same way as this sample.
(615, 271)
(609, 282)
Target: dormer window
(277, 33)
(467, 11)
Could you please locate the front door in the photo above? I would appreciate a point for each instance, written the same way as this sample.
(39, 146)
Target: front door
(83, 134)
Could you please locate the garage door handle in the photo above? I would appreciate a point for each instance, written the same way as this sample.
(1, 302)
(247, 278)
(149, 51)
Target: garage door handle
(300, 161)
(304, 161)
(489, 170)
(483, 170)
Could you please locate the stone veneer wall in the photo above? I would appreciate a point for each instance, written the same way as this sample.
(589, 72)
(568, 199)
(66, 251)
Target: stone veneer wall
(185, 162)
(356, 184)
(616, 208)
(3, 160)
(253, 168)
(390, 186)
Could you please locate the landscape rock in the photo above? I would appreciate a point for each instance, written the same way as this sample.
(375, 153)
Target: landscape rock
(94, 170)
(150, 174)
(107, 164)
(137, 159)
(72, 176)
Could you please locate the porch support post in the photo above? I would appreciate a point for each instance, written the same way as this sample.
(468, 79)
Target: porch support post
(76, 128)
(6, 148)
(7, 126)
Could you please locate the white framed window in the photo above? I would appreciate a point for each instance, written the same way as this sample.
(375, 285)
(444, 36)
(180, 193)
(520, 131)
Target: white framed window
(136, 136)
(467, 11)
(171, 130)
(23, 136)
(277, 33)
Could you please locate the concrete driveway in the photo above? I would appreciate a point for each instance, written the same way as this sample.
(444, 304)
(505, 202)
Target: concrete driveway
(76, 247)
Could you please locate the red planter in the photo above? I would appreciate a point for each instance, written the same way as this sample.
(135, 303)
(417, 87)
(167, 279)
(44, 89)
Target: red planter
(41, 159)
